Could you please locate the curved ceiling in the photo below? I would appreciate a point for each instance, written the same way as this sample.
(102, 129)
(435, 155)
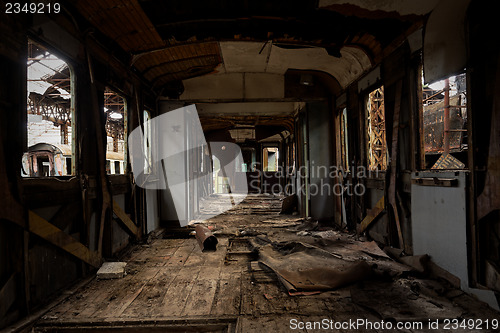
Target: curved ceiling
(171, 41)
(251, 70)
(252, 57)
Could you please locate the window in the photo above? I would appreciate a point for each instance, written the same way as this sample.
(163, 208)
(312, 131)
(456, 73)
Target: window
(117, 167)
(445, 123)
(270, 159)
(249, 159)
(377, 147)
(50, 109)
(116, 113)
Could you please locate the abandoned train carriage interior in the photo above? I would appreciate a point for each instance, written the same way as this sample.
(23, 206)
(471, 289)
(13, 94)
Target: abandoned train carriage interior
(240, 166)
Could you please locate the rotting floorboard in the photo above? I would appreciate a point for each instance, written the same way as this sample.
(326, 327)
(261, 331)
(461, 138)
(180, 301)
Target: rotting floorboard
(172, 282)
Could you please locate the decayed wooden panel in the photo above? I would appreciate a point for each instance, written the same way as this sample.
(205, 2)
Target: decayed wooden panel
(123, 21)
(126, 23)
(56, 236)
(179, 62)
(7, 295)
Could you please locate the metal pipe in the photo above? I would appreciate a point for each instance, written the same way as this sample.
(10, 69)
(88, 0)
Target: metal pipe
(205, 238)
(446, 120)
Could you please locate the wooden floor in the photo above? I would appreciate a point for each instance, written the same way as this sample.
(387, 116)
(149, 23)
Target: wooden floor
(171, 281)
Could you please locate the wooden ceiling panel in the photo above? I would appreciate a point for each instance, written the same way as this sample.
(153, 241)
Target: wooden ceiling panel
(179, 62)
(124, 21)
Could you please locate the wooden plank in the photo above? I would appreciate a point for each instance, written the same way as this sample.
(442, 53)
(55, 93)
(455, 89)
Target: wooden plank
(201, 297)
(394, 161)
(227, 300)
(76, 303)
(196, 257)
(181, 255)
(66, 215)
(126, 221)
(372, 215)
(162, 256)
(7, 295)
(101, 153)
(101, 292)
(27, 322)
(57, 237)
(174, 301)
(253, 300)
(313, 305)
(125, 292)
(146, 303)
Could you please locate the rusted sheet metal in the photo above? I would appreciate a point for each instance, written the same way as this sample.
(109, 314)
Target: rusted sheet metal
(205, 238)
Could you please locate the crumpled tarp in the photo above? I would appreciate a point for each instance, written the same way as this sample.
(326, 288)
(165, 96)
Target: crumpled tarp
(303, 267)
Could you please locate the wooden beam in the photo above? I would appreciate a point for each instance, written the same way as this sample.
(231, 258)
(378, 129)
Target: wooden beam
(40, 227)
(394, 161)
(372, 215)
(43, 192)
(66, 215)
(101, 153)
(7, 295)
(126, 221)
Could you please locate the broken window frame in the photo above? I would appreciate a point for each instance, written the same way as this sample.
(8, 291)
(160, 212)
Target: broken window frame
(376, 130)
(58, 152)
(110, 154)
(458, 114)
(265, 161)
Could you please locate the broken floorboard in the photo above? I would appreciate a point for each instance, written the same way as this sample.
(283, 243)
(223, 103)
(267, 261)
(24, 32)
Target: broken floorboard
(172, 282)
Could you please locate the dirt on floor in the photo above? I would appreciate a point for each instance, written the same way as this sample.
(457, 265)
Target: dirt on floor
(270, 273)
